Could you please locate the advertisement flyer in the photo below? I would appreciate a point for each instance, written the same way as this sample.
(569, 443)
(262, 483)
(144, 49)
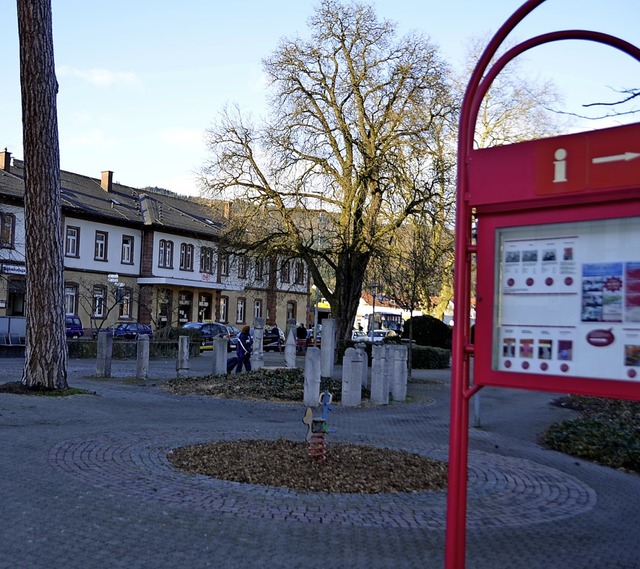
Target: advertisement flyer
(568, 299)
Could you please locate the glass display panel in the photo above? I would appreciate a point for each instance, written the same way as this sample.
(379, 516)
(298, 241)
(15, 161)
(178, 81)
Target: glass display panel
(567, 299)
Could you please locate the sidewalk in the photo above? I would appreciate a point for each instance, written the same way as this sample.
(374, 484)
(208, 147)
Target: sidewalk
(85, 483)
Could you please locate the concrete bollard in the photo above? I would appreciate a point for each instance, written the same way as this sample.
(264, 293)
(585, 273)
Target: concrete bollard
(399, 373)
(364, 368)
(219, 356)
(290, 348)
(351, 378)
(182, 363)
(312, 377)
(257, 356)
(379, 377)
(105, 353)
(328, 347)
(142, 357)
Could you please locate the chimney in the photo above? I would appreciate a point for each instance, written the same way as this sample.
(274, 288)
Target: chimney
(5, 160)
(227, 208)
(107, 179)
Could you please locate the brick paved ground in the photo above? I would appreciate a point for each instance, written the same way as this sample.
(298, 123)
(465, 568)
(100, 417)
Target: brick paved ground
(85, 483)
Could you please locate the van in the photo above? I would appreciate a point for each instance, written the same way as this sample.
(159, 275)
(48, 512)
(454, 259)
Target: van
(73, 324)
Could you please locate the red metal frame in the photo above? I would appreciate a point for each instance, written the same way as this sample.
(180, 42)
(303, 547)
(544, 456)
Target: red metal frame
(465, 249)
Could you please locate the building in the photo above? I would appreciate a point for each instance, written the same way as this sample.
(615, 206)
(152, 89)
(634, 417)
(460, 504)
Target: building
(146, 255)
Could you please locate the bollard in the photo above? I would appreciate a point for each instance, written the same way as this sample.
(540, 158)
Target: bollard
(399, 374)
(290, 348)
(219, 356)
(328, 347)
(257, 356)
(364, 369)
(105, 353)
(182, 363)
(142, 357)
(351, 378)
(312, 377)
(379, 377)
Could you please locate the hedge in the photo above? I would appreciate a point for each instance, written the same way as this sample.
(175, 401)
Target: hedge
(422, 357)
(128, 349)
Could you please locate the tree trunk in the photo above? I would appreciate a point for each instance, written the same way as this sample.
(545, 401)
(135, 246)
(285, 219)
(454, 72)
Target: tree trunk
(345, 300)
(46, 348)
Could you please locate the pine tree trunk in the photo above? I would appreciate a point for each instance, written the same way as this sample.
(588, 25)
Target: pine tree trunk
(46, 348)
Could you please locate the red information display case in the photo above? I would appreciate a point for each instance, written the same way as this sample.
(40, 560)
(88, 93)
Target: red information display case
(558, 259)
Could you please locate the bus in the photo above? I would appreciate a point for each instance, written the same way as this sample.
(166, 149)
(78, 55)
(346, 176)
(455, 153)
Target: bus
(385, 321)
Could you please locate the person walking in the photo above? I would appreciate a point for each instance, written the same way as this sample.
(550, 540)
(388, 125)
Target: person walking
(244, 347)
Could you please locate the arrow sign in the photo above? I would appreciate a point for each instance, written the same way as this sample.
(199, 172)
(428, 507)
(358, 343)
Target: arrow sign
(615, 158)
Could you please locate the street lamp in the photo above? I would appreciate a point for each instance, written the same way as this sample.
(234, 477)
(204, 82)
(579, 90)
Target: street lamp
(374, 289)
(315, 315)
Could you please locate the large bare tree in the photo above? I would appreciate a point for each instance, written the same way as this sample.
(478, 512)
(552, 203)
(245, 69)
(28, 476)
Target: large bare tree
(347, 154)
(46, 350)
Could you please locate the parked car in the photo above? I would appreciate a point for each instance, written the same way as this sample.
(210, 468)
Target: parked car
(377, 335)
(233, 334)
(273, 339)
(73, 324)
(358, 336)
(208, 331)
(131, 330)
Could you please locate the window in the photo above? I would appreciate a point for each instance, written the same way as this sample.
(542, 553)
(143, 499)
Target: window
(298, 273)
(242, 266)
(206, 260)
(259, 269)
(7, 230)
(224, 309)
(291, 310)
(71, 298)
(124, 301)
(186, 257)
(99, 296)
(127, 250)
(72, 242)
(240, 310)
(285, 272)
(223, 259)
(257, 308)
(165, 254)
(100, 249)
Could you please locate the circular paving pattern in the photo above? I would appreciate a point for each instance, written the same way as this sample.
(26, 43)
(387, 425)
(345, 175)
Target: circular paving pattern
(502, 491)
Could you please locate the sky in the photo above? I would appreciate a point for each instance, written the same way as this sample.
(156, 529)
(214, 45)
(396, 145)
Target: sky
(141, 80)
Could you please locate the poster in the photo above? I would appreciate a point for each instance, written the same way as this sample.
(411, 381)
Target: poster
(568, 299)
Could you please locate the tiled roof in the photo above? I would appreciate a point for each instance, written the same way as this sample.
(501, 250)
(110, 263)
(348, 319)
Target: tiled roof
(83, 196)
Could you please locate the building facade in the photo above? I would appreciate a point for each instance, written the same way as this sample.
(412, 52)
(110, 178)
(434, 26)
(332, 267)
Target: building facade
(145, 255)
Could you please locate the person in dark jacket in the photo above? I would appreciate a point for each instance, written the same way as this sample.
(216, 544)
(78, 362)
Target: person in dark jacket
(244, 347)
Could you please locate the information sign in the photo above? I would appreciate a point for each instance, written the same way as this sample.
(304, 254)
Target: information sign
(567, 299)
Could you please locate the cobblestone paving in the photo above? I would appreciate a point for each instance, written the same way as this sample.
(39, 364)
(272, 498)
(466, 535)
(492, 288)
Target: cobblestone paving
(503, 491)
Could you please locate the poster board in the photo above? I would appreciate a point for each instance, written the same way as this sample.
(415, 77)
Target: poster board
(567, 299)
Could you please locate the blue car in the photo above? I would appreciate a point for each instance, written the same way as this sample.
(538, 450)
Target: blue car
(131, 330)
(73, 324)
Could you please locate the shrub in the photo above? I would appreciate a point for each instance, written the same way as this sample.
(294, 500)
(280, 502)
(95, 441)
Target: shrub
(422, 357)
(428, 331)
(607, 431)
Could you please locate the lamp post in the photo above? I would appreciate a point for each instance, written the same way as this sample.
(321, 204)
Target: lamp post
(374, 290)
(315, 316)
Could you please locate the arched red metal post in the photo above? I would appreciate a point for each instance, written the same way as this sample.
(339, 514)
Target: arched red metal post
(464, 248)
(455, 549)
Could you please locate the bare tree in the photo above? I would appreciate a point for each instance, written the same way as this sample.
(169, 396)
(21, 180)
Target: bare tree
(351, 134)
(517, 107)
(46, 349)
